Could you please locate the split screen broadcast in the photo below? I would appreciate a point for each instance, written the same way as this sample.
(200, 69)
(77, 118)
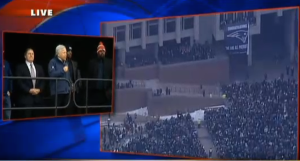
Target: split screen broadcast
(206, 86)
(56, 75)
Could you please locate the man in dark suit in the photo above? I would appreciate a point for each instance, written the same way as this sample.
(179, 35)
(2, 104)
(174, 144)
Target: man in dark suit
(58, 68)
(30, 90)
(7, 89)
(74, 74)
(100, 92)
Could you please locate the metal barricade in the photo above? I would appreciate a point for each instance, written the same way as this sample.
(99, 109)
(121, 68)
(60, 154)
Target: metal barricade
(38, 108)
(86, 106)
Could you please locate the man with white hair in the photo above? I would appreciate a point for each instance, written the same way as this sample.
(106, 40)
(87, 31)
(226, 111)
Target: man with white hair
(58, 68)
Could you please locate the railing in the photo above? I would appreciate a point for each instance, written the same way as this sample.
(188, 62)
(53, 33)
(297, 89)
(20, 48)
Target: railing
(86, 106)
(37, 108)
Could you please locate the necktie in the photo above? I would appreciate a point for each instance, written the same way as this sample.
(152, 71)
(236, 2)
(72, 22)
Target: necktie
(32, 74)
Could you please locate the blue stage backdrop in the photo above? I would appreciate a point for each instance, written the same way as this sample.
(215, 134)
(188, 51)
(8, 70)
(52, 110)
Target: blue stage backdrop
(237, 38)
(79, 137)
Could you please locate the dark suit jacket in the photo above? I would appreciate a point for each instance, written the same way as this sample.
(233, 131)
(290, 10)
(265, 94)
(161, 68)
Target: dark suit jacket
(76, 74)
(24, 85)
(93, 73)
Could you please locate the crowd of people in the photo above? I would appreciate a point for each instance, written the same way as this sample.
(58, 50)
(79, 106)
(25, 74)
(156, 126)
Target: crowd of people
(175, 137)
(160, 92)
(125, 85)
(171, 54)
(139, 60)
(111, 137)
(261, 122)
(233, 18)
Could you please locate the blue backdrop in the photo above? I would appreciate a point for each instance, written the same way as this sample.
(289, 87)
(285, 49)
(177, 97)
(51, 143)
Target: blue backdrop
(79, 137)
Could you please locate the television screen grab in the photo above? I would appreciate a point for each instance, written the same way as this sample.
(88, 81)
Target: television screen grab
(149, 80)
(190, 90)
(56, 75)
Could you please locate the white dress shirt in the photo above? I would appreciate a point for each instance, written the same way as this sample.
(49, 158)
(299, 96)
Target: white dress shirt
(28, 65)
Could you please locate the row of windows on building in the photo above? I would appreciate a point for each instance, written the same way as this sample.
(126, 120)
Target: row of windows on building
(236, 15)
(135, 30)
